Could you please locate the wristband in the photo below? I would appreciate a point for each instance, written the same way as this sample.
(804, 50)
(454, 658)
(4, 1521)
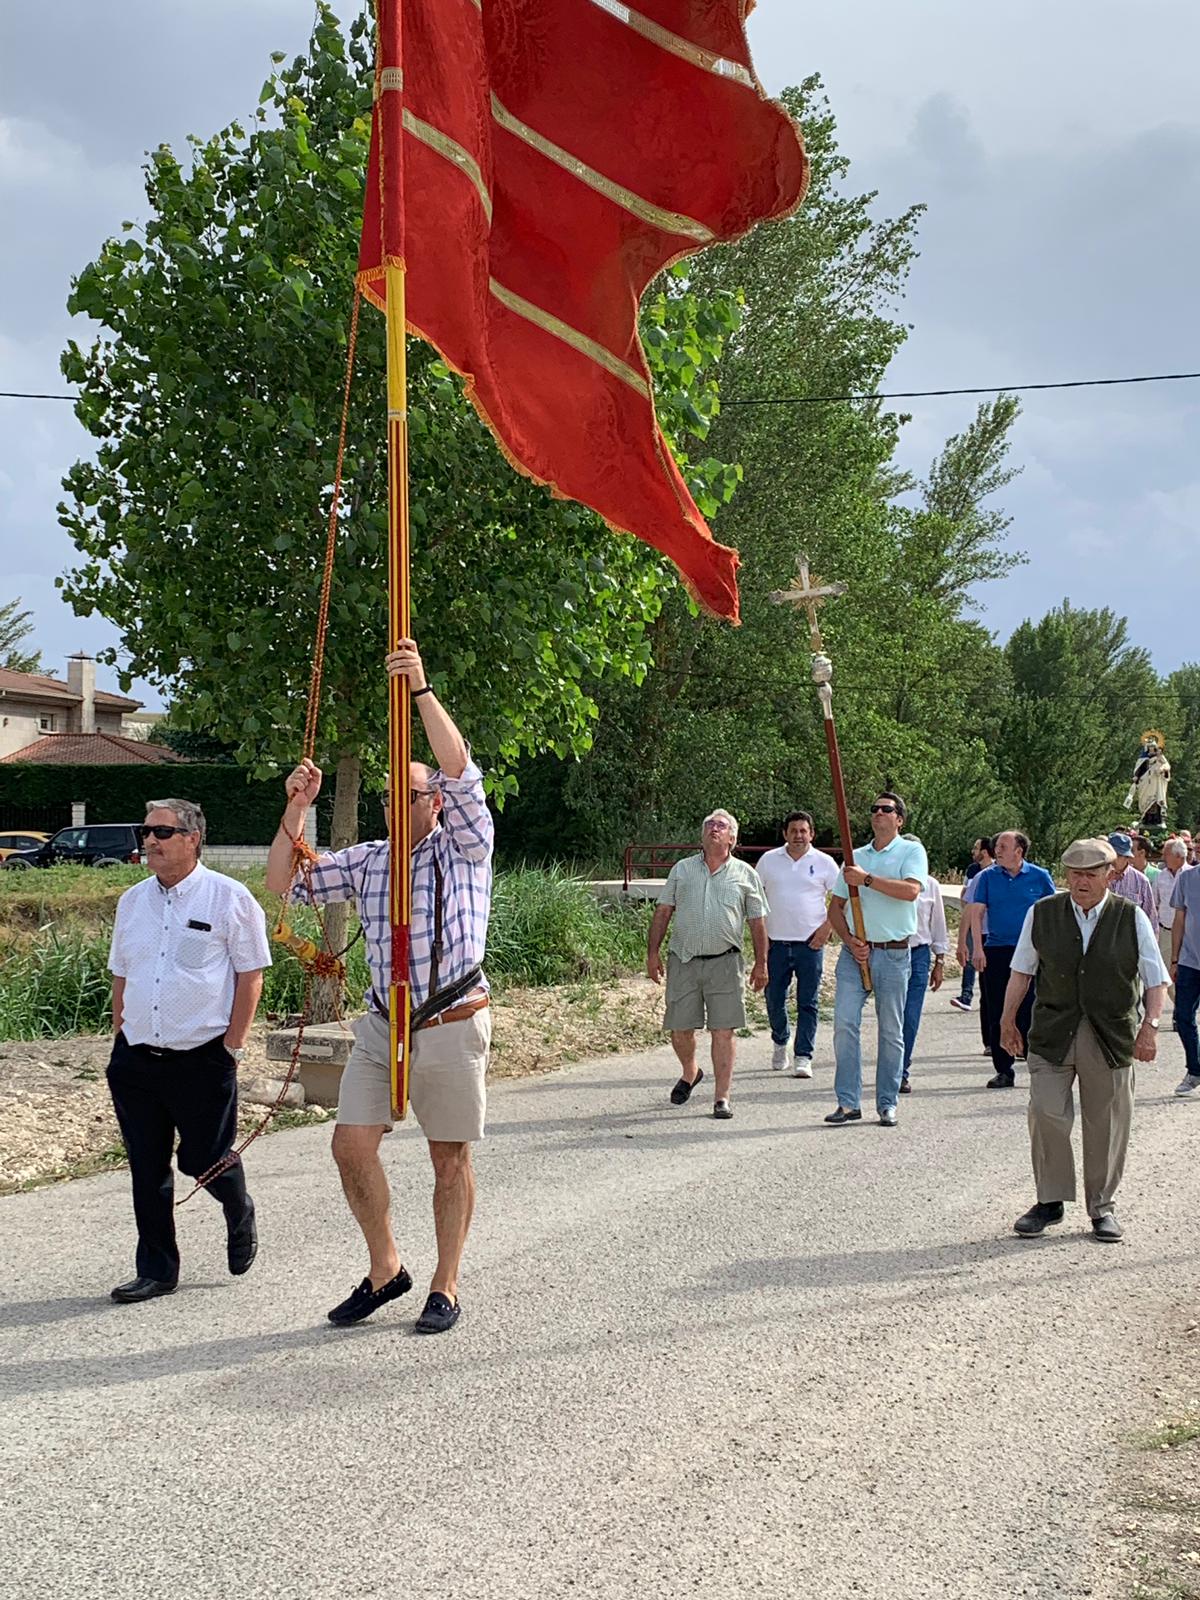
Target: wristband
(415, 694)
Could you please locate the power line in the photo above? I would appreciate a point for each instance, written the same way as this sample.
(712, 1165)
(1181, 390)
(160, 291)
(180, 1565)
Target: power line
(925, 394)
(837, 399)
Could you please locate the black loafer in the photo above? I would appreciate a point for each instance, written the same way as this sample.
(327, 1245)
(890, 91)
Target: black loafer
(1038, 1218)
(836, 1118)
(364, 1300)
(905, 1086)
(1002, 1081)
(439, 1316)
(128, 1294)
(682, 1092)
(243, 1242)
(722, 1111)
(1107, 1229)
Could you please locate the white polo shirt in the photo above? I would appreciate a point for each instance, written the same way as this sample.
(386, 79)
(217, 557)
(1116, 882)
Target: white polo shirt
(179, 951)
(797, 891)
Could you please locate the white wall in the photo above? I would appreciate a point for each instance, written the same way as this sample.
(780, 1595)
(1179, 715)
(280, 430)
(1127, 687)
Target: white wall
(17, 729)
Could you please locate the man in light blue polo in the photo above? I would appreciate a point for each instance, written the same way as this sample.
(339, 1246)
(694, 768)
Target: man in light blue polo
(889, 874)
(1006, 891)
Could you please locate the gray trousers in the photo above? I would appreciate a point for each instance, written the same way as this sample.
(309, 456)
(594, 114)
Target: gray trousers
(1106, 1111)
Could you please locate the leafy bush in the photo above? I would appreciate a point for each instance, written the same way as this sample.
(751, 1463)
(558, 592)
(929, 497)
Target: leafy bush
(547, 927)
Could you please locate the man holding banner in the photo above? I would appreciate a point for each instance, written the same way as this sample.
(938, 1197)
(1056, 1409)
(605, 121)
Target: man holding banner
(452, 834)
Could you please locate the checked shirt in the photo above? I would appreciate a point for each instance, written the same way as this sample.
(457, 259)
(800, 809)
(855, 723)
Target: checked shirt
(462, 846)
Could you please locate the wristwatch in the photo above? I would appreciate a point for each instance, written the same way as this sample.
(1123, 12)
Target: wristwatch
(1151, 1024)
(868, 880)
(237, 1054)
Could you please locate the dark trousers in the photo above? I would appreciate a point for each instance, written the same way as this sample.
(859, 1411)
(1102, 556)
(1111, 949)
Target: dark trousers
(788, 958)
(193, 1092)
(1187, 1001)
(993, 986)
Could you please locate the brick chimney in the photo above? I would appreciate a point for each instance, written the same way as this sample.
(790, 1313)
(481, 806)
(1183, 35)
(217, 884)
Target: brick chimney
(81, 680)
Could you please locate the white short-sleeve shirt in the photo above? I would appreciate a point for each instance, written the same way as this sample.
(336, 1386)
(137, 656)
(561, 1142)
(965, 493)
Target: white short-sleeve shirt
(179, 951)
(797, 891)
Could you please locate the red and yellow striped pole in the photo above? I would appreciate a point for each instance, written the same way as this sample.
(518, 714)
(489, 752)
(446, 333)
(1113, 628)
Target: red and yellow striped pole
(399, 699)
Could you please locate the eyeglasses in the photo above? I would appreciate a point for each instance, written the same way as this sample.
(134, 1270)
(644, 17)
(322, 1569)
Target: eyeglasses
(413, 796)
(161, 831)
(876, 809)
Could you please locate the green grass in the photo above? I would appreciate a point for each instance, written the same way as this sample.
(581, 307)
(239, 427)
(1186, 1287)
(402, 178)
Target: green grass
(1171, 1435)
(546, 928)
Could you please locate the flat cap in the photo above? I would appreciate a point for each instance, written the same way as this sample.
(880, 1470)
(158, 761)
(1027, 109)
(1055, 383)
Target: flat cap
(1085, 853)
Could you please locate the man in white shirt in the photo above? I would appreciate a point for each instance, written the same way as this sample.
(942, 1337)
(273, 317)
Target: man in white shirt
(1174, 861)
(1100, 989)
(927, 953)
(188, 951)
(797, 879)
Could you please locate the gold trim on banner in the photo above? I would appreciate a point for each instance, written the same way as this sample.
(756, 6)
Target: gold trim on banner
(646, 210)
(708, 60)
(391, 78)
(452, 152)
(572, 336)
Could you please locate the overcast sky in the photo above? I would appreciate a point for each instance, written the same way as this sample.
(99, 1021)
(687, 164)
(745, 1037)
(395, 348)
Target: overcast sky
(1055, 142)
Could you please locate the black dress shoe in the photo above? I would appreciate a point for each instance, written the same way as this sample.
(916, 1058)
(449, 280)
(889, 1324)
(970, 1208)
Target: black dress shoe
(128, 1294)
(682, 1092)
(1038, 1218)
(439, 1316)
(836, 1118)
(1002, 1080)
(905, 1086)
(243, 1242)
(361, 1302)
(1107, 1229)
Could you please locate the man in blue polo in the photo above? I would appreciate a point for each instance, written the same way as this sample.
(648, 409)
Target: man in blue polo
(1006, 891)
(889, 874)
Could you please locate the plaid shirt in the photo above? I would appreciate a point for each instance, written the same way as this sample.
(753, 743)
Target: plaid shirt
(462, 846)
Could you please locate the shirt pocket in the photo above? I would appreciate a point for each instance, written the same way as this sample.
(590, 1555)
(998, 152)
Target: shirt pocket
(197, 949)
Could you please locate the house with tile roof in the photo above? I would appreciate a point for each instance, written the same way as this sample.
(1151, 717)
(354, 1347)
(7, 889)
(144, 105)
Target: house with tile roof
(45, 720)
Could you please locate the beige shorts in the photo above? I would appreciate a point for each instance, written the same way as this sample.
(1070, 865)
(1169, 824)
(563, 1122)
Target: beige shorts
(705, 994)
(446, 1086)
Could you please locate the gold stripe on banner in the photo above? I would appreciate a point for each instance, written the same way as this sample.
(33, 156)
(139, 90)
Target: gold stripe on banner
(646, 210)
(453, 152)
(707, 60)
(391, 78)
(572, 336)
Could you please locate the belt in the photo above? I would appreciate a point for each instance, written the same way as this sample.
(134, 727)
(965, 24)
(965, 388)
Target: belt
(457, 1013)
(888, 944)
(717, 954)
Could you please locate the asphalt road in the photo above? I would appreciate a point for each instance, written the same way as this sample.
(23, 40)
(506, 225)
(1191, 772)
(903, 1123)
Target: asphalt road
(761, 1357)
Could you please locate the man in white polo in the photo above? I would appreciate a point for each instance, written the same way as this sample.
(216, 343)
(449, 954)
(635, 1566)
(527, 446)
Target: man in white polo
(798, 879)
(189, 947)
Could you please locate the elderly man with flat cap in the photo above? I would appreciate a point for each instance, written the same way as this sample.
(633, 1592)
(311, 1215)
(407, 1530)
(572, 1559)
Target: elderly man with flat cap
(1101, 983)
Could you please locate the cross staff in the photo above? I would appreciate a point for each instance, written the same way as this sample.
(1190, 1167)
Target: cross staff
(809, 592)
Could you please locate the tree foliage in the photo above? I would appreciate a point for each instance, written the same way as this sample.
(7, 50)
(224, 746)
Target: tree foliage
(16, 625)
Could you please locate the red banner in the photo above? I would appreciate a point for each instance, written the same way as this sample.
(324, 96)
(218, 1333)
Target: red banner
(536, 163)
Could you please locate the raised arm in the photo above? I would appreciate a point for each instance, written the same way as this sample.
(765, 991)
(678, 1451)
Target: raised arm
(449, 748)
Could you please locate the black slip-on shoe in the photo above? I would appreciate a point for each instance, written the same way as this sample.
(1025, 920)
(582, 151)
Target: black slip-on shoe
(364, 1300)
(1038, 1218)
(905, 1086)
(243, 1242)
(682, 1092)
(1002, 1080)
(722, 1110)
(1107, 1229)
(439, 1316)
(836, 1118)
(128, 1294)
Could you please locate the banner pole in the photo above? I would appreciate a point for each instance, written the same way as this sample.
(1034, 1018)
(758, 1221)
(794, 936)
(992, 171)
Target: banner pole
(399, 695)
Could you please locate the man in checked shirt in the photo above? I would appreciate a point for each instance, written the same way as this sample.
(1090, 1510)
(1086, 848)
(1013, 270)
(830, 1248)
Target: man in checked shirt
(451, 842)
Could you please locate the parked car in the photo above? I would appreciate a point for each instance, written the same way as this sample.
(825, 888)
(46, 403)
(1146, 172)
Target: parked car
(20, 839)
(105, 844)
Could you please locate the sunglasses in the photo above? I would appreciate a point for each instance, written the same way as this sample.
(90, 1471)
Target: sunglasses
(161, 831)
(876, 809)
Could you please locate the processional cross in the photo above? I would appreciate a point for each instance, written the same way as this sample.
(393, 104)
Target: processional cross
(809, 592)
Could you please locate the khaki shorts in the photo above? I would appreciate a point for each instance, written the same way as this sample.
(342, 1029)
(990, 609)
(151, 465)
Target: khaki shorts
(445, 1083)
(705, 994)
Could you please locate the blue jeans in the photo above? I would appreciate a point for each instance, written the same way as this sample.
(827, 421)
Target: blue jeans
(889, 976)
(914, 1000)
(1187, 999)
(787, 958)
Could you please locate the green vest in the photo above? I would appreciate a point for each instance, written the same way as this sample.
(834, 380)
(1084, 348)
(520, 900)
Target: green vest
(1104, 985)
